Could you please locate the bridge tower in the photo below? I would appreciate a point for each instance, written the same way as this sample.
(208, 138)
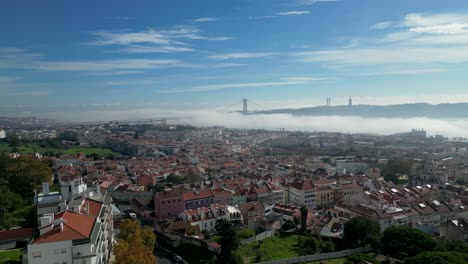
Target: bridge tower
(244, 110)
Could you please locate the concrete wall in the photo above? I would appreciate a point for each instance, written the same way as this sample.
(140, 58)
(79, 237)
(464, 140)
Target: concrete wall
(258, 237)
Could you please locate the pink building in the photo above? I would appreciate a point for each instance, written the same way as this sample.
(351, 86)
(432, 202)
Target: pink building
(168, 204)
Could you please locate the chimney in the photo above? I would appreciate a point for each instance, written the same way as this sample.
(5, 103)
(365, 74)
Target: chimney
(77, 209)
(98, 188)
(87, 208)
(45, 188)
(61, 227)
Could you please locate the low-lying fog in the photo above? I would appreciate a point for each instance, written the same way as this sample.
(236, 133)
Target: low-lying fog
(446, 127)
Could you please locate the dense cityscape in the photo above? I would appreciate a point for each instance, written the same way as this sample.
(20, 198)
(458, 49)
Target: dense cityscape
(234, 132)
(282, 194)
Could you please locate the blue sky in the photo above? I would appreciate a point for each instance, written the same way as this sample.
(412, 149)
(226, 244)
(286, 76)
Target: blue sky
(200, 54)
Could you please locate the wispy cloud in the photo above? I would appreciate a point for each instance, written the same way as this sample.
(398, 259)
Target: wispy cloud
(107, 65)
(240, 55)
(382, 25)
(306, 78)
(215, 87)
(293, 13)
(206, 19)
(229, 65)
(31, 93)
(311, 2)
(405, 72)
(386, 55)
(155, 49)
(113, 38)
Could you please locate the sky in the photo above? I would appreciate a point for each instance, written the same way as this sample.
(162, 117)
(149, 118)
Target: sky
(71, 56)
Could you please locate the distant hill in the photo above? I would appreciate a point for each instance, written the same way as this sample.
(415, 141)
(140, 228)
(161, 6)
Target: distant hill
(459, 110)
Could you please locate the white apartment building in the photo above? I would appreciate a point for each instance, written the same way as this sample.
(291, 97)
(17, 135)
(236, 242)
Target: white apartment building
(82, 235)
(206, 217)
(302, 192)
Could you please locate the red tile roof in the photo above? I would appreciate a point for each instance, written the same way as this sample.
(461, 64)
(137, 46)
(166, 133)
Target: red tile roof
(76, 226)
(197, 195)
(15, 234)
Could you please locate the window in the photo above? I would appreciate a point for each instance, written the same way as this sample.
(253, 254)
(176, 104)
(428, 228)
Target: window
(64, 250)
(36, 254)
(56, 251)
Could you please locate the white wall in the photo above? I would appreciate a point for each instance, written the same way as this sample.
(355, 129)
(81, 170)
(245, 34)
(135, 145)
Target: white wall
(50, 253)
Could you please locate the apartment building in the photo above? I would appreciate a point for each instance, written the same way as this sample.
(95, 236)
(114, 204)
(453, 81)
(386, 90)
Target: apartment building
(82, 234)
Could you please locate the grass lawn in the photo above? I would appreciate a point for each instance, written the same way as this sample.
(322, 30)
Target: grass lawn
(10, 256)
(88, 151)
(193, 254)
(273, 248)
(5, 148)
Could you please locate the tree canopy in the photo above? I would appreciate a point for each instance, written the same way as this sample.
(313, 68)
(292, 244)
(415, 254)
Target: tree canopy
(229, 242)
(407, 240)
(361, 231)
(438, 258)
(135, 244)
(304, 212)
(395, 168)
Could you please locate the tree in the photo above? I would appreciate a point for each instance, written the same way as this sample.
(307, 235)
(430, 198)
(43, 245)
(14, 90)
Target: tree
(26, 175)
(135, 244)
(245, 233)
(304, 211)
(438, 258)
(359, 258)
(310, 246)
(229, 242)
(395, 168)
(451, 245)
(360, 231)
(327, 246)
(14, 142)
(406, 240)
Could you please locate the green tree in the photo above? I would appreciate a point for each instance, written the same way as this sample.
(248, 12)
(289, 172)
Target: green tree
(304, 211)
(310, 245)
(361, 231)
(229, 242)
(395, 168)
(245, 233)
(451, 245)
(438, 258)
(359, 258)
(26, 175)
(407, 240)
(327, 246)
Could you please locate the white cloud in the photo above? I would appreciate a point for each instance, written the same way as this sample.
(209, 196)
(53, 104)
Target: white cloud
(113, 38)
(382, 25)
(305, 78)
(311, 2)
(229, 65)
(386, 55)
(215, 87)
(294, 13)
(240, 55)
(405, 72)
(206, 19)
(155, 49)
(107, 65)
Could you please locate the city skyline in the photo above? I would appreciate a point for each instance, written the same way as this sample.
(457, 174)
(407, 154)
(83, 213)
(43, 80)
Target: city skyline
(181, 55)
